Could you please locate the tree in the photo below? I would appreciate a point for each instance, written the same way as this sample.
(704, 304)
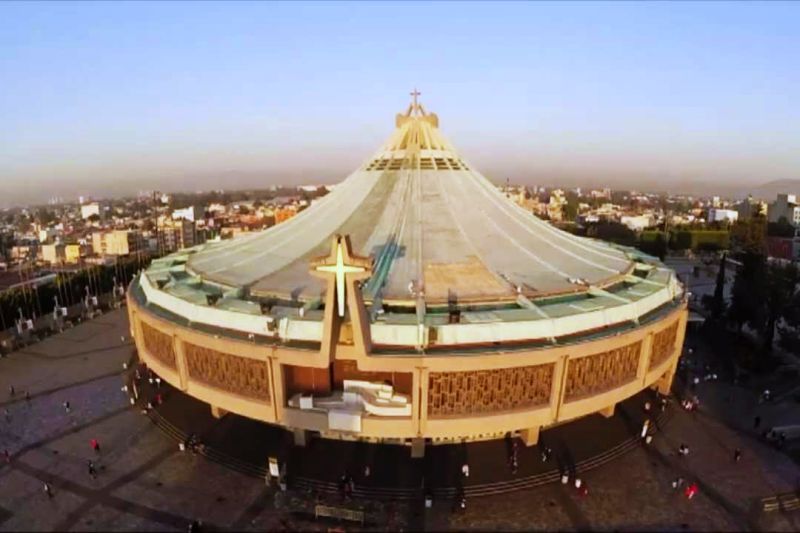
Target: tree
(789, 327)
(750, 235)
(717, 305)
(781, 287)
(749, 288)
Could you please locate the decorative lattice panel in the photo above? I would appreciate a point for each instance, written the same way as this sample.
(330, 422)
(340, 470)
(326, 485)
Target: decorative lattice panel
(159, 345)
(663, 345)
(231, 373)
(483, 391)
(603, 371)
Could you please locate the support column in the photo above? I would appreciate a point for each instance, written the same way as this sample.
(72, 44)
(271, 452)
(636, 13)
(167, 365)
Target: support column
(417, 448)
(278, 400)
(559, 384)
(608, 412)
(644, 358)
(180, 362)
(420, 398)
(664, 383)
(530, 436)
(300, 437)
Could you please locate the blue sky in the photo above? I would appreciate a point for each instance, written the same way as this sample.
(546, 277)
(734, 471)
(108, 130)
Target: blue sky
(101, 98)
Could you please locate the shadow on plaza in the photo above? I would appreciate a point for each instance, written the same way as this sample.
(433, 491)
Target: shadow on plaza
(386, 471)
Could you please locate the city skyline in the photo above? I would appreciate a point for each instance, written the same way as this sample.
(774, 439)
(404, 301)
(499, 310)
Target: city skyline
(108, 99)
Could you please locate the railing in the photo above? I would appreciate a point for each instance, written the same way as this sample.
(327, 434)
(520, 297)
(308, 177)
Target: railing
(785, 502)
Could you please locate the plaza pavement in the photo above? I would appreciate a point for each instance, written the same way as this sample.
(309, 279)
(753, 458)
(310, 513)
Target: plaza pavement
(146, 484)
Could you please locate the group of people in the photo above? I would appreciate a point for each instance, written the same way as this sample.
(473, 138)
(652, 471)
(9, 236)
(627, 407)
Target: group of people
(94, 444)
(690, 490)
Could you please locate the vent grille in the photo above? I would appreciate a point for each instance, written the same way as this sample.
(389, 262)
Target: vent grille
(425, 163)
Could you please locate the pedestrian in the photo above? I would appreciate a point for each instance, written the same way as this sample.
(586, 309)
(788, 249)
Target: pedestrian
(11, 390)
(737, 455)
(683, 450)
(583, 490)
(158, 382)
(690, 491)
(95, 445)
(462, 503)
(92, 470)
(465, 470)
(677, 483)
(663, 404)
(47, 490)
(7, 414)
(6, 456)
(546, 453)
(647, 407)
(66, 407)
(159, 399)
(756, 422)
(645, 427)
(514, 463)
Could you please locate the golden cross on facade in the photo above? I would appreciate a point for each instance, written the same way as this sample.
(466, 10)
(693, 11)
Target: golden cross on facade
(342, 268)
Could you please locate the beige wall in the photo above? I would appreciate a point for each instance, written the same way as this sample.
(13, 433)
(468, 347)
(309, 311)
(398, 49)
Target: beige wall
(420, 424)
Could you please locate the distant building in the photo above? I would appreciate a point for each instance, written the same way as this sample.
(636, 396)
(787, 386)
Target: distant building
(555, 208)
(192, 213)
(53, 254)
(785, 206)
(73, 253)
(722, 215)
(282, 214)
(749, 208)
(174, 235)
(787, 248)
(88, 210)
(117, 242)
(47, 234)
(639, 222)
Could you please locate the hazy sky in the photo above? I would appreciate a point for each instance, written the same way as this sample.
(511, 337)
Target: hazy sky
(102, 98)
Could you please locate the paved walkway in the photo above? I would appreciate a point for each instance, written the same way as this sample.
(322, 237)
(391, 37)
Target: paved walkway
(145, 483)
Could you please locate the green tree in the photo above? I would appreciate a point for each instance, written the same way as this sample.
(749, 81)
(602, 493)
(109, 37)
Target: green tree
(750, 235)
(789, 327)
(780, 290)
(749, 287)
(717, 302)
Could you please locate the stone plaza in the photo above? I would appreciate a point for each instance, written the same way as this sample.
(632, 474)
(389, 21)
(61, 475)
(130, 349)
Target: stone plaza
(145, 482)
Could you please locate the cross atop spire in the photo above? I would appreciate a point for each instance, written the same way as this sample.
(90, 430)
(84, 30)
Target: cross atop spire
(415, 94)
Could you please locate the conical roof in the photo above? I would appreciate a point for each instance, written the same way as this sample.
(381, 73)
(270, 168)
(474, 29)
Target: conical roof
(435, 227)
